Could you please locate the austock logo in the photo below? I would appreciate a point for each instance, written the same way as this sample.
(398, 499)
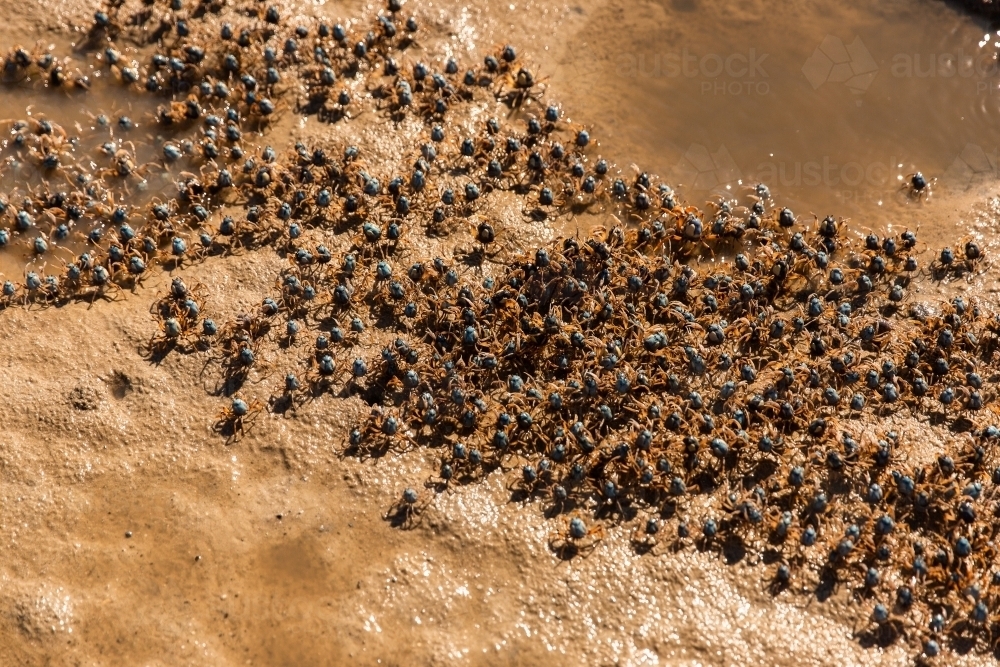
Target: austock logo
(719, 74)
(835, 62)
(973, 164)
(701, 169)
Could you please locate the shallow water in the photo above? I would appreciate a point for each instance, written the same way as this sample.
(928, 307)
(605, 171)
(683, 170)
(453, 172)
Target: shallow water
(830, 105)
(88, 130)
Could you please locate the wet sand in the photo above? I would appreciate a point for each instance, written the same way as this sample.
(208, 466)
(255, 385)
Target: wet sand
(211, 574)
(131, 535)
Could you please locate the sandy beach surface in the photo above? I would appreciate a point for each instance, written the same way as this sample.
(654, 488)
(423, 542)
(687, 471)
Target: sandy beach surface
(130, 534)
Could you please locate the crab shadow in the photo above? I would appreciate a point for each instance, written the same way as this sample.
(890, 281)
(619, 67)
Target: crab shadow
(156, 356)
(568, 552)
(403, 518)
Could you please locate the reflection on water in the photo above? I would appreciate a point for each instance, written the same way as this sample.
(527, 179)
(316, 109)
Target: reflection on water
(832, 107)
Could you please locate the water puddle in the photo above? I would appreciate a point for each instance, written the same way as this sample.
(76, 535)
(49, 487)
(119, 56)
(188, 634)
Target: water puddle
(833, 107)
(76, 164)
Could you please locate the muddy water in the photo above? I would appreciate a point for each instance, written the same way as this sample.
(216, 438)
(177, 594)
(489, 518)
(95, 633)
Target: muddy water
(830, 104)
(88, 131)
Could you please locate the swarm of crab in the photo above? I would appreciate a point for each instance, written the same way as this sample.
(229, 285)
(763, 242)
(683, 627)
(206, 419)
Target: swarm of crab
(755, 406)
